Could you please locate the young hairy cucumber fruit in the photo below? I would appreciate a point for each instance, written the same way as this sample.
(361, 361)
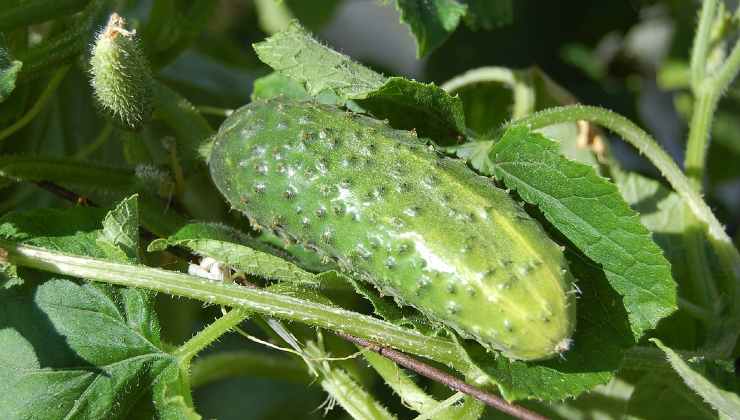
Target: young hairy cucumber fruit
(381, 205)
(121, 78)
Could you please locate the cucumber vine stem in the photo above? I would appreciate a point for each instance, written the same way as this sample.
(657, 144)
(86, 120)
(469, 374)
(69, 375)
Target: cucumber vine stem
(261, 301)
(700, 48)
(707, 90)
(209, 334)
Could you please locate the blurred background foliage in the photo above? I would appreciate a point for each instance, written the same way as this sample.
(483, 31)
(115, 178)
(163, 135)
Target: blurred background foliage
(630, 56)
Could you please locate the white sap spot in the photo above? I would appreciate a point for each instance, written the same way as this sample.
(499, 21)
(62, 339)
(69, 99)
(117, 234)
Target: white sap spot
(434, 261)
(345, 196)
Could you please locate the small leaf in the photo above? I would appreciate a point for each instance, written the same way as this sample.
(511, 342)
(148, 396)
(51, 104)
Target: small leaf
(295, 53)
(406, 103)
(591, 213)
(121, 228)
(423, 107)
(727, 403)
(71, 231)
(9, 70)
(209, 240)
(431, 21)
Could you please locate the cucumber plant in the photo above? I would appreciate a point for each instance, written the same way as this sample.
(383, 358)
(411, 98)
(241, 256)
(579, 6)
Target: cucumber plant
(399, 249)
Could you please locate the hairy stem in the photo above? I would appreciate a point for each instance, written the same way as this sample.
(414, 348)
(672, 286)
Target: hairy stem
(276, 305)
(209, 334)
(702, 40)
(707, 93)
(698, 141)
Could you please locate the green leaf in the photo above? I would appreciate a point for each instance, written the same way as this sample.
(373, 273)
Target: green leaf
(296, 54)
(71, 230)
(121, 228)
(209, 240)
(97, 345)
(601, 337)
(591, 213)
(423, 107)
(662, 212)
(406, 103)
(727, 403)
(9, 70)
(79, 351)
(489, 14)
(431, 21)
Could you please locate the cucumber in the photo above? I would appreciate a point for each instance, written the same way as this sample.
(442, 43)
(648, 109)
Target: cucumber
(120, 75)
(381, 205)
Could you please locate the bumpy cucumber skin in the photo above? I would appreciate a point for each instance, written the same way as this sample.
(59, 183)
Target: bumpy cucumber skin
(383, 206)
(120, 75)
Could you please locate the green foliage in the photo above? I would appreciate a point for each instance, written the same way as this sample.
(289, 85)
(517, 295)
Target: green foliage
(406, 103)
(96, 346)
(100, 220)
